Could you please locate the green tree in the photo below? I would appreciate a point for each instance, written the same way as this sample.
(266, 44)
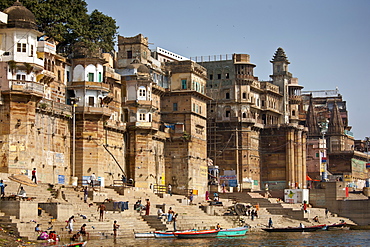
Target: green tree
(67, 22)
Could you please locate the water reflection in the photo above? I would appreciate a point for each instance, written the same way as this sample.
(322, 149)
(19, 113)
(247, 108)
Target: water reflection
(320, 238)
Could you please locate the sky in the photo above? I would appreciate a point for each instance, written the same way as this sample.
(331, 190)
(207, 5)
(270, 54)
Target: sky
(327, 42)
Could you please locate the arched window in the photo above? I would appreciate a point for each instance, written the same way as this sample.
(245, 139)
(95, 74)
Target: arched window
(141, 93)
(244, 115)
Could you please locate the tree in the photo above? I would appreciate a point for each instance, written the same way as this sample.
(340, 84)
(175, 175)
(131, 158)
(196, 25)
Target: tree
(67, 22)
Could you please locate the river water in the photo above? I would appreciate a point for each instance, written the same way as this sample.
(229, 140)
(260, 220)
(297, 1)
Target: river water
(319, 238)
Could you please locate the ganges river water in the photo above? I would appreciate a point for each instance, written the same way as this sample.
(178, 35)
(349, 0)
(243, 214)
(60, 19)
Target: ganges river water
(319, 238)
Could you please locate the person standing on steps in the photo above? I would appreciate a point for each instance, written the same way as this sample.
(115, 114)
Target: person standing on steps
(86, 193)
(101, 209)
(92, 179)
(169, 190)
(70, 224)
(115, 228)
(34, 175)
(147, 207)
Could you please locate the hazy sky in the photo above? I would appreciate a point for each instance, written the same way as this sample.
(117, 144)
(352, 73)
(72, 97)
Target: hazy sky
(327, 42)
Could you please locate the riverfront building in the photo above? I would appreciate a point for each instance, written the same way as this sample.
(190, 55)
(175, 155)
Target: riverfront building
(157, 117)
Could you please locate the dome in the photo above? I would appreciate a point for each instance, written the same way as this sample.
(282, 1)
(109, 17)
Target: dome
(20, 17)
(141, 68)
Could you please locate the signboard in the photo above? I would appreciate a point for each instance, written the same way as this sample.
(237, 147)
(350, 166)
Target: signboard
(233, 183)
(296, 195)
(61, 179)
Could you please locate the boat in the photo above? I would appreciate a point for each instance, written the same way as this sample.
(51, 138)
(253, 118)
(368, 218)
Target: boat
(144, 235)
(233, 232)
(80, 244)
(164, 234)
(197, 234)
(338, 226)
(77, 244)
(295, 229)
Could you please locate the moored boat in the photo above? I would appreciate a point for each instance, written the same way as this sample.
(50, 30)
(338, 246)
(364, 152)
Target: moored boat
(233, 232)
(163, 234)
(144, 235)
(197, 234)
(338, 226)
(295, 229)
(77, 244)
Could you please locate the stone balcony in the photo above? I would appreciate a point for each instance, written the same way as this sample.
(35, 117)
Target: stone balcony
(89, 85)
(94, 110)
(28, 87)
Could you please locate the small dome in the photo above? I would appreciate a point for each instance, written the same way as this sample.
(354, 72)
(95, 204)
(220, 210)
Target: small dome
(141, 68)
(20, 17)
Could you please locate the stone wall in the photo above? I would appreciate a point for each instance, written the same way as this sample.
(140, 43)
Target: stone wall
(23, 210)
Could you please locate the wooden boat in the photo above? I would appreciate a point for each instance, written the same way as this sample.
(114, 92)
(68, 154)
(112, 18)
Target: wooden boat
(338, 226)
(295, 229)
(233, 232)
(77, 244)
(163, 234)
(144, 235)
(197, 234)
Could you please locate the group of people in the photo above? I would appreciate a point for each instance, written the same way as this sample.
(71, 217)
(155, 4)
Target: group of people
(139, 207)
(252, 213)
(45, 235)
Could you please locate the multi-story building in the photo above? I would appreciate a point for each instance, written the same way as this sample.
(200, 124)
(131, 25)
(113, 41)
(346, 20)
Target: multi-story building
(253, 131)
(34, 123)
(331, 152)
(165, 109)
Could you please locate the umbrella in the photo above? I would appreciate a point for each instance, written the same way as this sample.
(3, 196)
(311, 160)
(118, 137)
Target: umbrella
(22, 179)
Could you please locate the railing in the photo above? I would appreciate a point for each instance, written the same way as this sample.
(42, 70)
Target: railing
(159, 189)
(51, 105)
(212, 58)
(27, 86)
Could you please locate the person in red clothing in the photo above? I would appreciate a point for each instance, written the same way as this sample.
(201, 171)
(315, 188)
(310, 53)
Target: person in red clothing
(34, 175)
(147, 207)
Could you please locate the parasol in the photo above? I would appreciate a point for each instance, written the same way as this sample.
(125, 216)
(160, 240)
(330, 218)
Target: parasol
(22, 179)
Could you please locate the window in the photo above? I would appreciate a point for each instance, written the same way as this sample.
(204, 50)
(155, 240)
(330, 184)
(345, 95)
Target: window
(31, 55)
(227, 75)
(211, 77)
(59, 78)
(142, 116)
(90, 76)
(263, 103)
(142, 92)
(244, 115)
(244, 95)
(174, 107)
(293, 113)
(100, 77)
(129, 54)
(227, 113)
(183, 84)
(91, 101)
(218, 76)
(227, 95)
(21, 77)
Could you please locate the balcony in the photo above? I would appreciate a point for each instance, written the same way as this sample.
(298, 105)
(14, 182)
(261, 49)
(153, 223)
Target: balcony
(28, 87)
(295, 99)
(54, 107)
(95, 109)
(89, 85)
